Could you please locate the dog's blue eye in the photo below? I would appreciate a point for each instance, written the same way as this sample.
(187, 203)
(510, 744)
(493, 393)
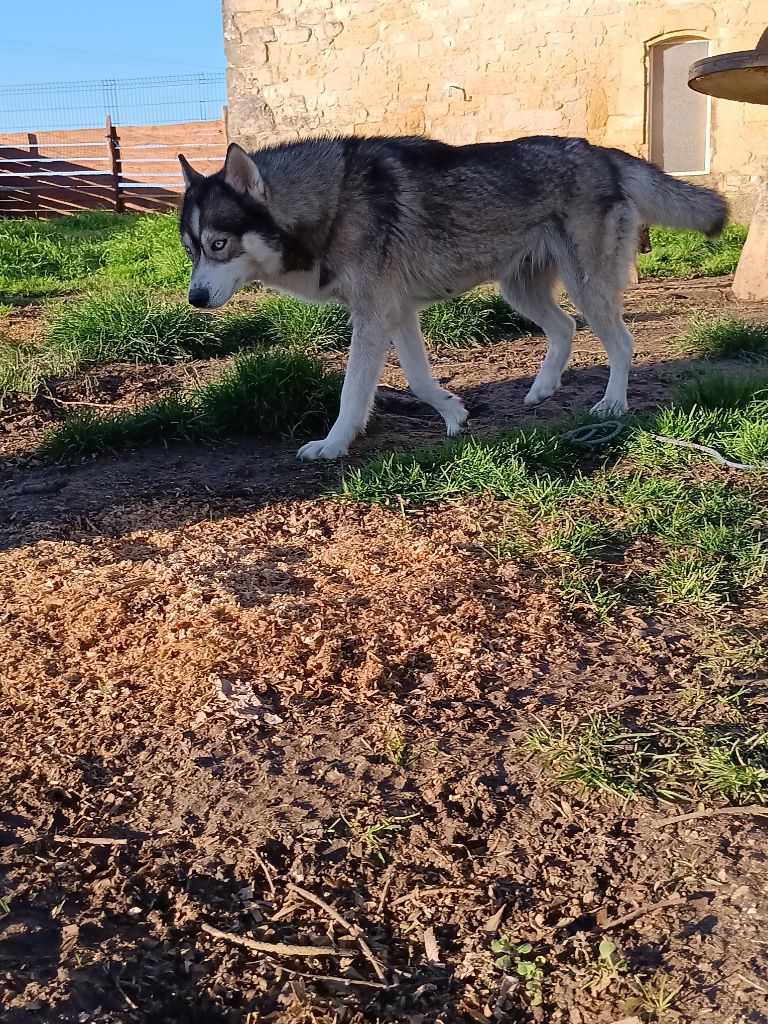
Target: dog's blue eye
(188, 251)
(219, 244)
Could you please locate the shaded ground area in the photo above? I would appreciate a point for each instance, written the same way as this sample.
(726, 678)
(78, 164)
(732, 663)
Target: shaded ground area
(225, 696)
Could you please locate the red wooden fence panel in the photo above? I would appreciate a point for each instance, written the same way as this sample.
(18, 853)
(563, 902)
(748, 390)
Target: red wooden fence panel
(43, 174)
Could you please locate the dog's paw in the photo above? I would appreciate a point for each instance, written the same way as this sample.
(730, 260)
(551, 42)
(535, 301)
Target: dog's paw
(608, 407)
(324, 449)
(455, 415)
(540, 392)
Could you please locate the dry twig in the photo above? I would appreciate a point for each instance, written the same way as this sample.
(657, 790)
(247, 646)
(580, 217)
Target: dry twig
(647, 908)
(276, 948)
(712, 811)
(90, 840)
(351, 929)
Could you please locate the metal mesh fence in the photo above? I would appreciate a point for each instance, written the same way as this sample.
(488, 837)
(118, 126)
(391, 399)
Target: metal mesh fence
(168, 99)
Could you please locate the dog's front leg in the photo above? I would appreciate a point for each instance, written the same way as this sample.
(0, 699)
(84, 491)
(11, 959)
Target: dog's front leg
(367, 353)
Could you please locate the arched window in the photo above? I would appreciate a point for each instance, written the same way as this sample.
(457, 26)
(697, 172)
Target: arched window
(678, 116)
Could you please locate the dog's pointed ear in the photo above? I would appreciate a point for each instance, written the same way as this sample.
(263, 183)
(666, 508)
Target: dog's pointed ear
(188, 173)
(242, 174)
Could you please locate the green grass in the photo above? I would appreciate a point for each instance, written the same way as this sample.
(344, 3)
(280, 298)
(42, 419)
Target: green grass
(290, 323)
(129, 324)
(624, 526)
(96, 248)
(471, 320)
(724, 338)
(607, 754)
(86, 250)
(22, 366)
(147, 253)
(718, 390)
(740, 434)
(689, 254)
(261, 393)
(133, 325)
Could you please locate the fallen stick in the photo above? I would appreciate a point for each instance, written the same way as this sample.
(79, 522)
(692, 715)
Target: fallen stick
(90, 840)
(267, 871)
(712, 811)
(276, 948)
(417, 894)
(353, 929)
(647, 908)
(338, 980)
(388, 876)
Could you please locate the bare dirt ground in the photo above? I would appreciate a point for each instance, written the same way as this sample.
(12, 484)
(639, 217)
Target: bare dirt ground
(225, 696)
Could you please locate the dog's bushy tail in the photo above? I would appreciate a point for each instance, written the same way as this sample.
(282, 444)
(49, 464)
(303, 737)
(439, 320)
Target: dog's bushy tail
(669, 202)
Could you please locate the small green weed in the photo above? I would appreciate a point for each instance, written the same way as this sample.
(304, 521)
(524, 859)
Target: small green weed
(597, 969)
(732, 651)
(375, 834)
(397, 751)
(654, 999)
(588, 590)
(530, 966)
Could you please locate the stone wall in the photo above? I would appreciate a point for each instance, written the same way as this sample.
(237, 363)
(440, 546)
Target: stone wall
(475, 70)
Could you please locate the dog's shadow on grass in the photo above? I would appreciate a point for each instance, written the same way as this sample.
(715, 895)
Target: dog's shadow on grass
(165, 488)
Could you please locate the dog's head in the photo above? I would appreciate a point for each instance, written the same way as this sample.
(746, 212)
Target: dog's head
(227, 229)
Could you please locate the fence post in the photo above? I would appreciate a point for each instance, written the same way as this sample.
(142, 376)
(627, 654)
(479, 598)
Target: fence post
(113, 142)
(34, 195)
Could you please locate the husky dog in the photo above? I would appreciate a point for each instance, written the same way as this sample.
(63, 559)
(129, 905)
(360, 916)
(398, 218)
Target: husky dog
(387, 226)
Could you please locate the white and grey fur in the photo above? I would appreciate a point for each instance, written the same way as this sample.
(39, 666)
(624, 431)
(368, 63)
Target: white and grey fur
(387, 226)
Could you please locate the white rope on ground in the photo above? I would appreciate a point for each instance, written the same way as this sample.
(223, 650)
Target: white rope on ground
(713, 454)
(592, 435)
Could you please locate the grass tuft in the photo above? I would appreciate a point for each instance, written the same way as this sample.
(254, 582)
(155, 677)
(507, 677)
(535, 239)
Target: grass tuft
(291, 323)
(690, 254)
(717, 390)
(658, 761)
(724, 338)
(471, 320)
(262, 393)
(128, 326)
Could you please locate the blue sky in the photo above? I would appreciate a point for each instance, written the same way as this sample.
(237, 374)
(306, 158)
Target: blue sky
(57, 41)
(45, 41)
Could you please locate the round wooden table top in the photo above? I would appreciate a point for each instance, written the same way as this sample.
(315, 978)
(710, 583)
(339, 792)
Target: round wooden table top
(741, 76)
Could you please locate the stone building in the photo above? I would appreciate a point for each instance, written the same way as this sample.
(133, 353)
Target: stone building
(614, 71)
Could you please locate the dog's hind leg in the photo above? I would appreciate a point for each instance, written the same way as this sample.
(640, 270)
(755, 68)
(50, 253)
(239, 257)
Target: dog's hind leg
(371, 338)
(599, 297)
(603, 314)
(593, 257)
(412, 355)
(530, 293)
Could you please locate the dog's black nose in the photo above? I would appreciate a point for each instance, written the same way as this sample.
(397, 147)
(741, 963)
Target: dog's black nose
(199, 297)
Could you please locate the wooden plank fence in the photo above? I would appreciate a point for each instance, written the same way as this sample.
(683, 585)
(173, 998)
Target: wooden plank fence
(130, 167)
